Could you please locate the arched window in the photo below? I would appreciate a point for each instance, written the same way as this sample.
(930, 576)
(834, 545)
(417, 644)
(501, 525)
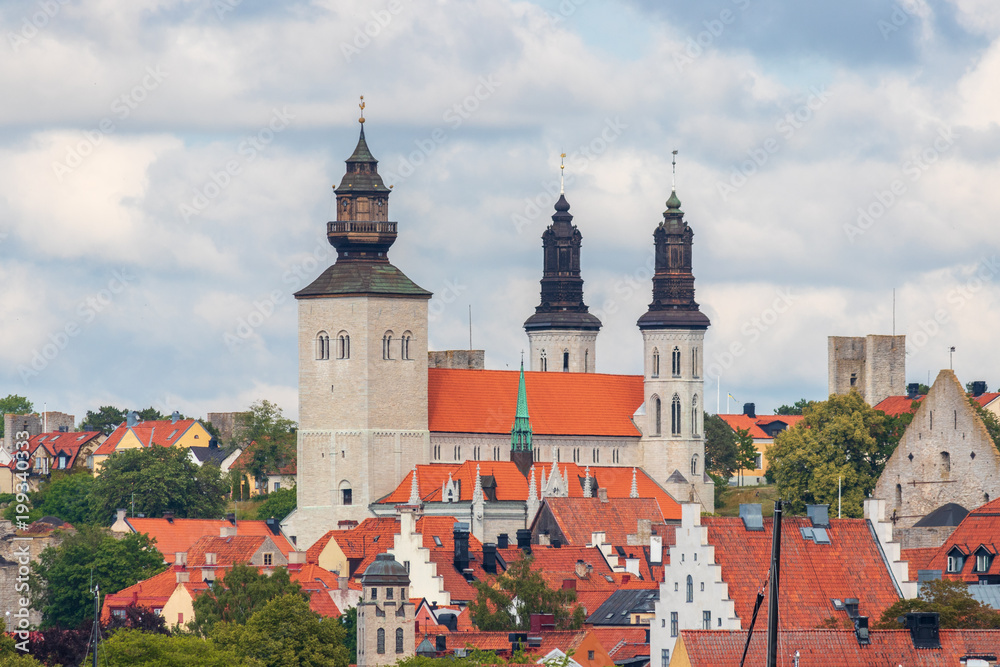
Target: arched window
(565, 361)
(322, 345)
(542, 362)
(399, 640)
(675, 415)
(694, 362)
(343, 345)
(586, 361)
(899, 495)
(656, 363)
(694, 464)
(690, 589)
(346, 494)
(657, 415)
(387, 345)
(945, 465)
(694, 415)
(675, 362)
(405, 345)
(380, 640)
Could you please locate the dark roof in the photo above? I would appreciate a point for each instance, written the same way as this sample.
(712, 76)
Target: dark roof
(385, 569)
(563, 320)
(358, 180)
(618, 608)
(950, 514)
(362, 278)
(214, 455)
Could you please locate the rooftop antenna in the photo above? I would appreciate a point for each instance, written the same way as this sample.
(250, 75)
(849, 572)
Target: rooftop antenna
(362, 107)
(673, 176)
(562, 171)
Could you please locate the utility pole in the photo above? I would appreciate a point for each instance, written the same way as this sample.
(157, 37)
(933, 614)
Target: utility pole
(97, 619)
(772, 603)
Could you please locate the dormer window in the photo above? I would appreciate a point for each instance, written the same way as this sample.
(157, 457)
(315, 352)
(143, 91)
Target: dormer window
(956, 561)
(983, 560)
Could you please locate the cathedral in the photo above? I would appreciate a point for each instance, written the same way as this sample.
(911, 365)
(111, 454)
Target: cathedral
(372, 408)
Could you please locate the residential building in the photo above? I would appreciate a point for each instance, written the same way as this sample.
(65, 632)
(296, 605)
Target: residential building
(221, 457)
(763, 429)
(969, 553)
(282, 476)
(173, 432)
(49, 452)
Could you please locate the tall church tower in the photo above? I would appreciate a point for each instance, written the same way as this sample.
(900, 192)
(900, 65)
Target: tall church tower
(562, 334)
(362, 364)
(673, 333)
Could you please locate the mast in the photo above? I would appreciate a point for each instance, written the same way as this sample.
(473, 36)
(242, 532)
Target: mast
(772, 603)
(97, 620)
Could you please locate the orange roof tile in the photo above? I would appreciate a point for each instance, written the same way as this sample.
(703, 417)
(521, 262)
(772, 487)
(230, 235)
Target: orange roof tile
(151, 593)
(622, 642)
(618, 518)
(228, 550)
(181, 534)
(897, 405)
(66, 443)
(754, 424)
(111, 444)
(980, 527)
(481, 401)
(817, 647)
(918, 559)
(987, 398)
(851, 566)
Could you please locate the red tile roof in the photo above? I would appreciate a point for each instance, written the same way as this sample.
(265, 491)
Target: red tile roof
(851, 566)
(897, 405)
(579, 518)
(163, 432)
(987, 398)
(918, 559)
(754, 424)
(481, 401)
(981, 527)
(151, 593)
(623, 642)
(66, 443)
(818, 647)
(181, 534)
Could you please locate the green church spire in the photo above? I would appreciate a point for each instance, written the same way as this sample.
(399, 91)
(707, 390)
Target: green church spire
(520, 434)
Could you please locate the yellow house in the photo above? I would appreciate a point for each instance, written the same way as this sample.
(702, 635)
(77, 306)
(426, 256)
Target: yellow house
(163, 432)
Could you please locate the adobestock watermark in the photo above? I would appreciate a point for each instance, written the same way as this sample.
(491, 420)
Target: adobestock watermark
(750, 332)
(444, 298)
(902, 12)
(121, 108)
(370, 29)
(958, 297)
(87, 311)
(760, 155)
(913, 169)
(564, 10)
(714, 28)
(455, 116)
(19, 622)
(32, 24)
(578, 161)
(246, 152)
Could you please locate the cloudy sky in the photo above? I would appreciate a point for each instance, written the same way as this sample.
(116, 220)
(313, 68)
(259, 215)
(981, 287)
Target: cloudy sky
(166, 171)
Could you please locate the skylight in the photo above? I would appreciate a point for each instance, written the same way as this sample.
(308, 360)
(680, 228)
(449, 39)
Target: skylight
(437, 541)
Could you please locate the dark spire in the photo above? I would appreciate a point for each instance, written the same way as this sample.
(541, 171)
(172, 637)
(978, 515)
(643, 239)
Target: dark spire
(562, 305)
(673, 305)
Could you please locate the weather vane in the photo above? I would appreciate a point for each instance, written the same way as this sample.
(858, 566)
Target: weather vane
(562, 171)
(673, 178)
(362, 107)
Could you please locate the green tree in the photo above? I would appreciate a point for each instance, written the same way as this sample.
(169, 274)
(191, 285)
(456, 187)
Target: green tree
(989, 420)
(158, 479)
(10, 656)
(507, 603)
(151, 414)
(796, 408)
(746, 452)
(67, 496)
(349, 619)
(923, 389)
(286, 633)
(242, 591)
(839, 438)
(60, 580)
(263, 420)
(720, 447)
(949, 598)
(277, 505)
(133, 648)
(104, 420)
(14, 405)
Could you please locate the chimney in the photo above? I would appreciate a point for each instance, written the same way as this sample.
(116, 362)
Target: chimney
(272, 524)
(524, 539)
(227, 531)
(296, 559)
(503, 541)
(180, 559)
(183, 576)
(626, 578)
(121, 514)
(655, 549)
(490, 558)
(210, 558)
(923, 627)
(750, 410)
(461, 533)
(169, 516)
(207, 575)
(912, 390)
(580, 569)
(131, 419)
(978, 388)
(602, 493)
(543, 539)
(632, 565)
(542, 623)
(174, 417)
(819, 515)
(851, 607)
(342, 583)
(597, 538)
(231, 518)
(861, 630)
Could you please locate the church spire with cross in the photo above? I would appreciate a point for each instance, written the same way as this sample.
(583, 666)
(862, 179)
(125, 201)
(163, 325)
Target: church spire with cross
(562, 332)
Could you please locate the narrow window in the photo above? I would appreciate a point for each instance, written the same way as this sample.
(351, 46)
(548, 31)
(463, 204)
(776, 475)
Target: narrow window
(694, 362)
(405, 345)
(543, 362)
(656, 410)
(694, 415)
(345, 496)
(656, 363)
(899, 495)
(675, 364)
(565, 361)
(675, 415)
(673, 624)
(374, 593)
(706, 620)
(322, 346)
(690, 589)
(586, 361)
(380, 640)
(694, 464)
(932, 419)
(388, 594)
(664, 657)
(945, 465)
(267, 558)
(956, 420)
(399, 640)
(343, 345)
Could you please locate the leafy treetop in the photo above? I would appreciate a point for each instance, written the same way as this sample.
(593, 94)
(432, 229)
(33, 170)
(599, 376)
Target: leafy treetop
(720, 447)
(949, 598)
(242, 591)
(796, 408)
(14, 405)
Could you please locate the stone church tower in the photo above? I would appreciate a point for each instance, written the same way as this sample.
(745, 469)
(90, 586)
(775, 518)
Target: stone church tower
(362, 364)
(562, 334)
(673, 333)
(385, 614)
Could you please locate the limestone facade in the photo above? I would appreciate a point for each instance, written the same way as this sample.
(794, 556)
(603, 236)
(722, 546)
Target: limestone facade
(460, 447)
(563, 350)
(672, 447)
(35, 424)
(385, 614)
(945, 456)
(873, 365)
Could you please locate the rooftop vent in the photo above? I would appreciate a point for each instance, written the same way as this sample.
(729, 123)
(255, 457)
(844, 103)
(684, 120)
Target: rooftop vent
(750, 410)
(913, 390)
(524, 539)
(923, 627)
(978, 388)
(851, 606)
(861, 630)
(503, 540)
(753, 518)
(819, 515)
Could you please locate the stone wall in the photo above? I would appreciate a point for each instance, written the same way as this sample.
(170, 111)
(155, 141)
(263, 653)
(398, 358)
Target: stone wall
(873, 365)
(581, 346)
(35, 424)
(462, 359)
(225, 422)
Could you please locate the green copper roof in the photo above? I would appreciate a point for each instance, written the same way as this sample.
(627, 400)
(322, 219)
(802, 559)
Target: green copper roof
(520, 434)
(361, 152)
(360, 278)
(362, 179)
(673, 204)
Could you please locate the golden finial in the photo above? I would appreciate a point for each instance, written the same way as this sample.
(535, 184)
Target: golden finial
(562, 171)
(673, 178)
(362, 107)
